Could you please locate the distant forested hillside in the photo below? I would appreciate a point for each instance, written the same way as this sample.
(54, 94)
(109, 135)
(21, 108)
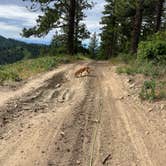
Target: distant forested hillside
(12, 50)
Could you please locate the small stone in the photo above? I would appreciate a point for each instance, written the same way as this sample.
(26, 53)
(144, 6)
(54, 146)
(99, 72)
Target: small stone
(129, 80)
(43, 151)
(147, 132)
(61, 101)
(132, 86)
(121, 98)
(29, 127)
(62, 134)
(150, 109)
(68, 150)
(78, 162)
(58, 86)
(162, 106)
(15, 106)
(95, 121)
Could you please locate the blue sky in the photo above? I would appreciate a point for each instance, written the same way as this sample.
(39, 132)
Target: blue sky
(14, 16)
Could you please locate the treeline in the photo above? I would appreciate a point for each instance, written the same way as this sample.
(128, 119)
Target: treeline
(126, 23)
(12, 50)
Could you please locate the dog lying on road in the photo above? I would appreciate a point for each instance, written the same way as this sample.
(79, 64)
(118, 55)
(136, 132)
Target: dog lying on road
(79, 72)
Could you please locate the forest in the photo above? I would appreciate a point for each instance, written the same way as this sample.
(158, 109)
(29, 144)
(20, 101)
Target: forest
(125, 24)
(129, 29)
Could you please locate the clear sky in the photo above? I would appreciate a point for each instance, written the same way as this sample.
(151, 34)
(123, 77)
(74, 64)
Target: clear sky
(14, 16)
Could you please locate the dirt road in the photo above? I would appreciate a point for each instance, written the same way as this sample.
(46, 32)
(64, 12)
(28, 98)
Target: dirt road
(58, 120)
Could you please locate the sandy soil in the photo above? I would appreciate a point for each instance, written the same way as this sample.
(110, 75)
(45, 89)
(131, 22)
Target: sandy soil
(59, 120)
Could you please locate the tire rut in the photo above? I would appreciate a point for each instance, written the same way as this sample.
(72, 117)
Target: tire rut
(73, 144)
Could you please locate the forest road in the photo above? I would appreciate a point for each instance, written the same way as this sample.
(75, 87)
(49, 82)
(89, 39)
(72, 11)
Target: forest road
(59, 120)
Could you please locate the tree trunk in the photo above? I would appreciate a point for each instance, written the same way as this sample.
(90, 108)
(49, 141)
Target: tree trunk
(137, 26)
(71, 27)
(159, 10)
(76, 31)
(111, 46)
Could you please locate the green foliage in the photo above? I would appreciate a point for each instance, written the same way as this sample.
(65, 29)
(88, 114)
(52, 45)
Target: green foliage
(126, 58)
(82, 57)
(148, 90)
(26, 68)
(127, 70)
(8, 75)
(161, 95)
(161, 91)
(126, 23)
(146, 68)
(154, 49)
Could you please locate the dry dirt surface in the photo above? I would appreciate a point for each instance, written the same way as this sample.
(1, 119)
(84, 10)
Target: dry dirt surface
(59, 120)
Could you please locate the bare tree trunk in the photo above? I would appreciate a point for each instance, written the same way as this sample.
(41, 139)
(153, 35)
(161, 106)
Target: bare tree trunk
(76, 31)
(159, 10)
(71, 27)
(137, 26)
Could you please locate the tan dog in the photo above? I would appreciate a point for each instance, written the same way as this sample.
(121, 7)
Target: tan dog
(82, 70)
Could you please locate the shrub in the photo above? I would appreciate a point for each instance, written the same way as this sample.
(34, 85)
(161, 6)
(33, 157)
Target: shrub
(154, 49)
(9, 75)
(126, 58)
(148, 90)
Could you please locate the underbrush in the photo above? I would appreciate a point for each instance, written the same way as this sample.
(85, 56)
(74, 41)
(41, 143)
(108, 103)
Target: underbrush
(155, 86)
(146, 68)
(151, 62)
(27, 68)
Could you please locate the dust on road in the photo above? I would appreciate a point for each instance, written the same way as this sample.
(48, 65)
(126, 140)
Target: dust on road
(60, 120)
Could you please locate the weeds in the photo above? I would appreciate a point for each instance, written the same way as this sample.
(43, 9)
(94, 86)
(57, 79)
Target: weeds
(148, 90)
(154, 71)
(27, 68)
(148, 69)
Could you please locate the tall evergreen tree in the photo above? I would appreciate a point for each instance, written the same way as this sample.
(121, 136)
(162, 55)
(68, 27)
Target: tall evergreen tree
(81, 31)
(59, 14)
(93, 45)
(137, 23)
(125, 23)
(159, 12)
(108, 29)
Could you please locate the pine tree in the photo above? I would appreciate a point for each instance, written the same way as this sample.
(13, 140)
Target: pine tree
(125, 23)
(60, 14)
(108, 29)
(93, 45)
(159, 12)
(81, 31)
(137, 23)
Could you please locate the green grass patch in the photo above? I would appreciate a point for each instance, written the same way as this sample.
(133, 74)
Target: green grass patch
(153, 90)
(146, 68)
(148, 90)
(27, 68)
(155, 72)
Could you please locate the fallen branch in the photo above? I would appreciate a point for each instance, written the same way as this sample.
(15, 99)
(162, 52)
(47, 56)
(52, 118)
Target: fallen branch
(107, 158)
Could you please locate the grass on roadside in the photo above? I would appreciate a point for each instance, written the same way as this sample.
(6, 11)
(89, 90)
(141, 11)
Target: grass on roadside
(154, 87)
(27, 68)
